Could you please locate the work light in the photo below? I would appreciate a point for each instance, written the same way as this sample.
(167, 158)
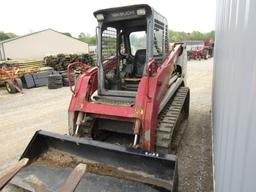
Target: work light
(141, 12)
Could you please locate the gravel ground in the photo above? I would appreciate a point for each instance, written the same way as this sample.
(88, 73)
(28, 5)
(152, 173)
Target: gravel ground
(22, 115)
(40, 108)
(195, 149)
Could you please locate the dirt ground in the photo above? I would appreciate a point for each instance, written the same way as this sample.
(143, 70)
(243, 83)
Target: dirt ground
(40, 108)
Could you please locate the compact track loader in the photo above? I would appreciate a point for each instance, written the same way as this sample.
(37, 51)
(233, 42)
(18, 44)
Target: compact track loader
(122, 116)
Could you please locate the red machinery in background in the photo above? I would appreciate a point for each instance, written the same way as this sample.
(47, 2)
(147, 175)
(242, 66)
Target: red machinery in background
(11, 82)
(209, 47)
(197, 53)
(202, 52)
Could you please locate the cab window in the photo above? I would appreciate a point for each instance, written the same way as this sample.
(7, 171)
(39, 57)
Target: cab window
(137, 41)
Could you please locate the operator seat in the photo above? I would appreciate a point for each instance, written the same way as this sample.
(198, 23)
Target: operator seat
(139, 62)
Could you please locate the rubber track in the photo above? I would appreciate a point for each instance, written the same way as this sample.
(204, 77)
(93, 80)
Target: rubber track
(168, 121)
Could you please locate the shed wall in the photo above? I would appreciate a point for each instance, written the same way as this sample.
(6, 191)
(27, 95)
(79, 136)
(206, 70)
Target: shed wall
(43, 43)
(234, 96)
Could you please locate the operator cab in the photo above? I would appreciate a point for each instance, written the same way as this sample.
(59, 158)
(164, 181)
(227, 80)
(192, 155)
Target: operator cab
(127, 37)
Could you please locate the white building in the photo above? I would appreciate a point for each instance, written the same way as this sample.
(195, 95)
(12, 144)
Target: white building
(39, 44)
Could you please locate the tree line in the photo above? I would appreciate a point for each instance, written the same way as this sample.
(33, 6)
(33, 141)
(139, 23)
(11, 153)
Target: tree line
(174, 36)
(5, 36)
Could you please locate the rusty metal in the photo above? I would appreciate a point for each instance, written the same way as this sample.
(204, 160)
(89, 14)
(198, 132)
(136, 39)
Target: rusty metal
(10, 72)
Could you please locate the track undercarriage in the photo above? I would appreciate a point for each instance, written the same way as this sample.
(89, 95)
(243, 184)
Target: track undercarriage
(169, 120)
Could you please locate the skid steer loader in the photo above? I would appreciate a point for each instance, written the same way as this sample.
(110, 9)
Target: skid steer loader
(122, 115)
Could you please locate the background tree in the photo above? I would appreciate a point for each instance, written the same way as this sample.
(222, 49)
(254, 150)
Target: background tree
(176, 36)
(4, 36)
(68, 34)
(87, 38)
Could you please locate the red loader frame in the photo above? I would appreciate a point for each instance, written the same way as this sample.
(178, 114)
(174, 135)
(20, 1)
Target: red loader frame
(152, 89)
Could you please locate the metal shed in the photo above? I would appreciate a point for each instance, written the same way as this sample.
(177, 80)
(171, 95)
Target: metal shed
(234, 97)
(39, 44)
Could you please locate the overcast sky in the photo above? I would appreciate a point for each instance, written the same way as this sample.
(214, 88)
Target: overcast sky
(75, 16)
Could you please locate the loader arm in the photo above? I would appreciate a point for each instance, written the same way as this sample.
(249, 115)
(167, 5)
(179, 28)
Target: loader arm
(155, 86)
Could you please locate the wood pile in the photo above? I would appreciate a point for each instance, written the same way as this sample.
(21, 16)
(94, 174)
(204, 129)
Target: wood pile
(57, 62)
(60, 62)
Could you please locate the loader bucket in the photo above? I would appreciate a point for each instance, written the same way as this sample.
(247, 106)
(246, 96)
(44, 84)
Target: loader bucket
(65, 163)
